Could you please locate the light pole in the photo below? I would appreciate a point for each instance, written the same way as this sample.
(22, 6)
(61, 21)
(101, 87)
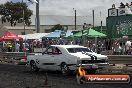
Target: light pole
(75, 16)
(37, 17)
(23, 12)
(93, 18)
(37, 21)
(100, 22)
(84, 33)
(101, 26)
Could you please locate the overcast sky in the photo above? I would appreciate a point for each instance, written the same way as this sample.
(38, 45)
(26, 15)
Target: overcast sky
(65, 7)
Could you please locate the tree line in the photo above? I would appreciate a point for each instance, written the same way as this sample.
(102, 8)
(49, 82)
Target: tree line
(13, 13)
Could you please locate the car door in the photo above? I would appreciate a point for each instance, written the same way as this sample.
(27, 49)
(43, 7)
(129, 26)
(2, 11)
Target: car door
(47, 60)
(57, 58)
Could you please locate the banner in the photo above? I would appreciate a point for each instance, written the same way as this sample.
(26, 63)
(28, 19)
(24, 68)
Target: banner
(103, 79)
(112, 12)
(131, 7)
(124, 11)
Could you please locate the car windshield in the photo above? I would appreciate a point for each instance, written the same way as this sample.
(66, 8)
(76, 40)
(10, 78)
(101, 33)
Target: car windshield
(75, 50)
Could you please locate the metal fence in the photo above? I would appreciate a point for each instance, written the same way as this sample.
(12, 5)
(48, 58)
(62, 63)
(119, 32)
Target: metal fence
(12, 57)
(120, 59)
(18, 56)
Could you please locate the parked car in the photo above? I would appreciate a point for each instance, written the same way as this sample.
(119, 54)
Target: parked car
(67, 58)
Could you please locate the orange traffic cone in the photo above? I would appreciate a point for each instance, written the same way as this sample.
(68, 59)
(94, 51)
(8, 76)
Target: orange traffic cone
(25, 57)
(46, 80)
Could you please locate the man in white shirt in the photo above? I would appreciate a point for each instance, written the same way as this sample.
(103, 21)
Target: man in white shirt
(128, 46)
(17, 47)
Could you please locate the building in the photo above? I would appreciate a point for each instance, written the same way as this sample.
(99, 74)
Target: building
(47, 22)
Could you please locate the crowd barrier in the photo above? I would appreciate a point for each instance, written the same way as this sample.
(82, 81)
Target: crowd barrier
(37, 50)
(113, 59)
(14, 57)
(120, 59)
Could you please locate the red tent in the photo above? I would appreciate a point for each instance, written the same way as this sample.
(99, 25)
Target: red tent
(10, 36)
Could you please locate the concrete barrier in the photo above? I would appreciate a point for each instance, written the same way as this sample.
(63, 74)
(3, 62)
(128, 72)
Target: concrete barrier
(120, 59)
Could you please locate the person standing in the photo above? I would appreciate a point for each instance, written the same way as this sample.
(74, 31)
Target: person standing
(17, 47)
(117, 48)
(128, 46)
(9, 46)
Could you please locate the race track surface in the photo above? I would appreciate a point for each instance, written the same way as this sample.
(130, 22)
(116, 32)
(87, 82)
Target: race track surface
(17, 76)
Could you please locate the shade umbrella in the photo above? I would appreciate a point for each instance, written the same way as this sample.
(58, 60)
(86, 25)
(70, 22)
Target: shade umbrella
(37, 36)
(10, 36)
(90, 33)
(78, 34)
(93, 33)
(54, 34)
(57, 34)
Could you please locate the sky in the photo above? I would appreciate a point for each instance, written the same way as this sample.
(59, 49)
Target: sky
(65, 7)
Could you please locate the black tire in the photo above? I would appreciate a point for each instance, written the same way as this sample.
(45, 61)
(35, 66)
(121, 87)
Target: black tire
(33, 66)
(82, 80)
(65, 69)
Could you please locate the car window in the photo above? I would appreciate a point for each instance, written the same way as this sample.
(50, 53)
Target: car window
(56, 51)
(48, 51)
(75, 50)
(52, 50)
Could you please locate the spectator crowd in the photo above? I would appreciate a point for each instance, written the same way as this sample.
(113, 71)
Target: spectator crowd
(117, 47)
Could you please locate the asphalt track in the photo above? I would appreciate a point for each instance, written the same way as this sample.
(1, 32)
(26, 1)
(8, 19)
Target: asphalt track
(17, 76)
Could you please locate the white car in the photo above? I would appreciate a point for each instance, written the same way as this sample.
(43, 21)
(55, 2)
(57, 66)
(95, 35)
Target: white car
(67, 58)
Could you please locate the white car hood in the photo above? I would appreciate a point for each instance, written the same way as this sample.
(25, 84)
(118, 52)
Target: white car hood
(84, 56)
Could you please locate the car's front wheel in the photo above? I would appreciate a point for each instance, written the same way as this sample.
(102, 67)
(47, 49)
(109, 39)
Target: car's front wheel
(33, 66)
(64, 69)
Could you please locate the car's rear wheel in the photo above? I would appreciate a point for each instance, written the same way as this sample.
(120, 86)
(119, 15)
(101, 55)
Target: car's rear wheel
(33, 66)
(65, 69)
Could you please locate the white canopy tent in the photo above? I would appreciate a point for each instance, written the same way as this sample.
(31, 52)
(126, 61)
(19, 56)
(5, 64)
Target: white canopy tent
(37, 36)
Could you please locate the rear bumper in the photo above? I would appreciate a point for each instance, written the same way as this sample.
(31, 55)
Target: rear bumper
(90, 66)
(95, 66)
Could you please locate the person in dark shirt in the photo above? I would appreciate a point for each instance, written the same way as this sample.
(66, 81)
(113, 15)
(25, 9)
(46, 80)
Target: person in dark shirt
(122, 5)
(113, 6)
(131, 4)
(127, 5)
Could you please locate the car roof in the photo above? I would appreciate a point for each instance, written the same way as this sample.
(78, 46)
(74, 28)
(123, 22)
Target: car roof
(68, 46)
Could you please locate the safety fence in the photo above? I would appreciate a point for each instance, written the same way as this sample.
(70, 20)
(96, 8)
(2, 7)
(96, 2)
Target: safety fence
(38, 50)
(14, 57)
(19, 56)
(120, 59)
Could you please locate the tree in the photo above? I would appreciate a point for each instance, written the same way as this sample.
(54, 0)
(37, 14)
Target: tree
(13, 13)
(57, 27)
